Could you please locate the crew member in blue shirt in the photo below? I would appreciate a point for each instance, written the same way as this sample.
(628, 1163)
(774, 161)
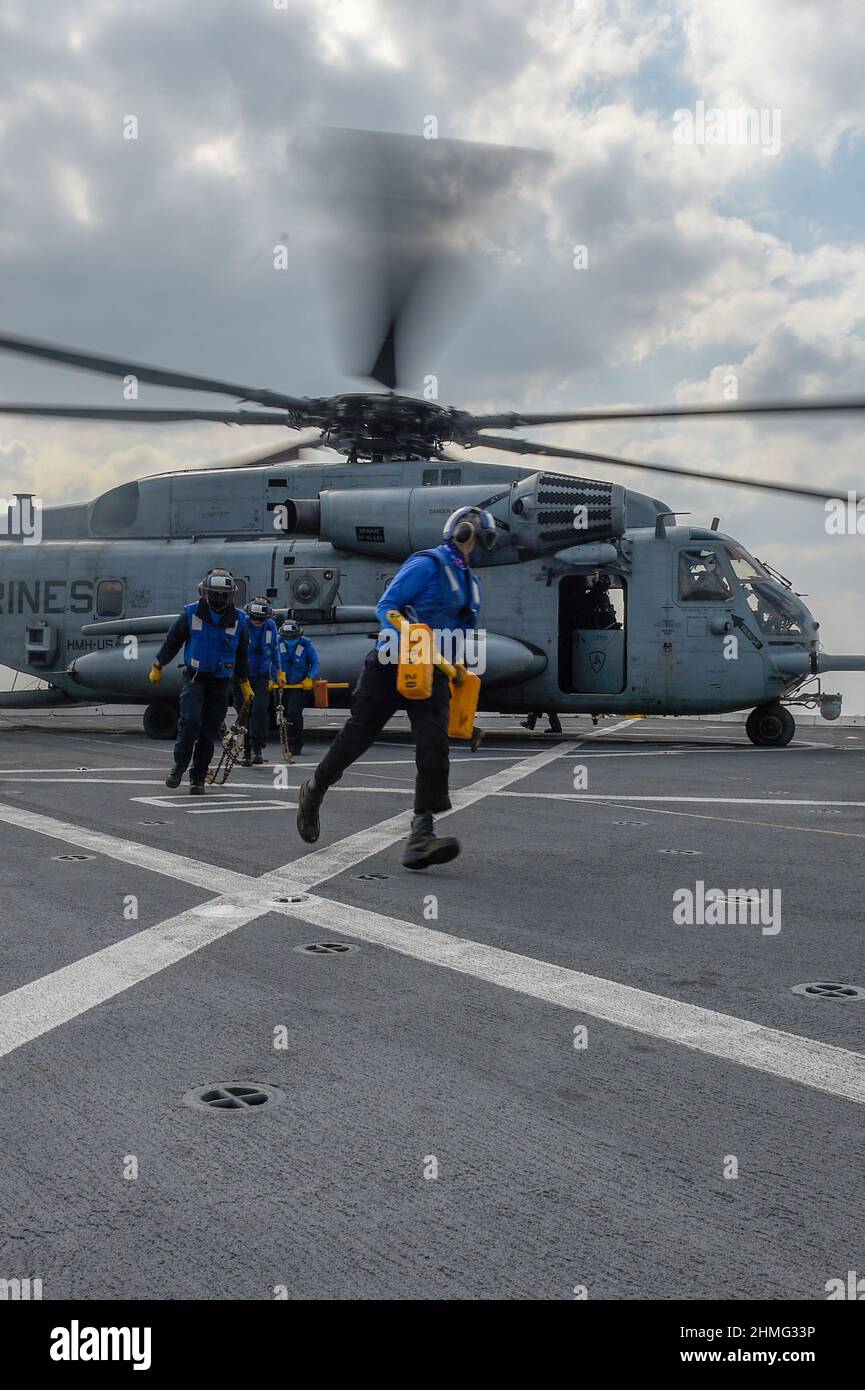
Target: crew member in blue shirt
(299, 665)
(213, 634)
(263, 672)
(436, 587)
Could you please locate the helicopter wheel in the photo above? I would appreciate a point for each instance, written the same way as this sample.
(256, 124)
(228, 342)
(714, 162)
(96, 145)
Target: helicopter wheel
(160, 720)
(770, 726)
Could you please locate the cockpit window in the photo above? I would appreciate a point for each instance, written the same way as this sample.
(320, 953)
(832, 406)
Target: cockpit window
(701, 578)
(778, 612)
(744, 565)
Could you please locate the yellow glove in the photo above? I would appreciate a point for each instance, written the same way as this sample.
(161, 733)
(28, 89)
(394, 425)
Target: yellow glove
(246, 691)
(307, 683)
(282, 680)
(154, 675)
(273, 685)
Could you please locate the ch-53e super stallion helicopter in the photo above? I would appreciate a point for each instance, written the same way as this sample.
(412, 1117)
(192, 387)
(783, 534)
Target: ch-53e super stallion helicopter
(595, 600)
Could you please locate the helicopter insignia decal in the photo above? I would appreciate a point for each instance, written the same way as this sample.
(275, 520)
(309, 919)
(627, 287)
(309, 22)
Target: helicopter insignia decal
(596, 660)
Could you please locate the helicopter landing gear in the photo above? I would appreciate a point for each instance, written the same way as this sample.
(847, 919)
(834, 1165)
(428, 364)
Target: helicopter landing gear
(160, 720)
(770, 726)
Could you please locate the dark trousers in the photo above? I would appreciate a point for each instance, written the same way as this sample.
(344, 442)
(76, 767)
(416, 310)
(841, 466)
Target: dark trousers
(295, 703)
(203, 704)
(376, 700)
(257, 720)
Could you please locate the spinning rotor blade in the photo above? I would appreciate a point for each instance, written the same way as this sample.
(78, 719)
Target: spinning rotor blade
(155, 376)
(151, 414)
(400, 217)
(384, 367)
(289, 453)
(512, 420)
(526, 446)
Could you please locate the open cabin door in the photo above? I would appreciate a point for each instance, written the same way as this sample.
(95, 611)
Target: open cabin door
(592, 657)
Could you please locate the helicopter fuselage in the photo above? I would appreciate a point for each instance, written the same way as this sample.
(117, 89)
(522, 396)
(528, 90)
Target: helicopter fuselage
(683, 620)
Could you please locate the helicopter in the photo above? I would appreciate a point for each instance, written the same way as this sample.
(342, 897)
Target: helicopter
(596, 600)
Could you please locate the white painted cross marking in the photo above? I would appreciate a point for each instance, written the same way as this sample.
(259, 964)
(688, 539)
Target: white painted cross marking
(44, 1004)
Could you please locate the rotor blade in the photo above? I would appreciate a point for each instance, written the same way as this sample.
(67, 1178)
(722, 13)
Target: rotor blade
(397, 220)
(384, 368)
(526, 446)
(155, 376)
(511, 420)
(152, 414)
(289, 453)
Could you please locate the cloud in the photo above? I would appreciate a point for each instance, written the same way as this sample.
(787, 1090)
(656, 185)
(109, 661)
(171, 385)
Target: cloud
(802, 58)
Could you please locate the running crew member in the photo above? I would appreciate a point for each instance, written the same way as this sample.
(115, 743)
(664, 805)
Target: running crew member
(441, 590)
(263, 671)
(216, 649)
(299, 665)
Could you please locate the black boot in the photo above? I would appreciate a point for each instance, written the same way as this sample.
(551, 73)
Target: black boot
(425, 847)
(196, 789)
(175, 776)
(309, 800)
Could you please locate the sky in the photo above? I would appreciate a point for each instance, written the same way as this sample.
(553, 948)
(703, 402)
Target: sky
(705, 263)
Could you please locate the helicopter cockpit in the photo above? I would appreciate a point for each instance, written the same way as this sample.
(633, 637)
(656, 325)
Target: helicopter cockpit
(777, 610)
(707, 574)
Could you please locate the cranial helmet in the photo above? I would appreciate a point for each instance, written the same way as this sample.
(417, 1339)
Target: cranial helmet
(218, 588)
(466, 522)
(291, 629)
(259, 609)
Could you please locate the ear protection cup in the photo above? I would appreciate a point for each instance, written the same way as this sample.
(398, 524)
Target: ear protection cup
(468, 521)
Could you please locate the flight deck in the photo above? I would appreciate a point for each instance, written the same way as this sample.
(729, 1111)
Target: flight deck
(234, 1066)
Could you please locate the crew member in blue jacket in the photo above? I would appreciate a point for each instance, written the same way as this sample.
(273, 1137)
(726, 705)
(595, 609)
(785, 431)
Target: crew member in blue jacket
(213, 633)
(436, 587)
(299, 665)
(263, 672)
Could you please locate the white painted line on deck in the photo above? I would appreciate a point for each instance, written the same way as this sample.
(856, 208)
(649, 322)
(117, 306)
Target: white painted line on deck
(86, 781)
(177, 866)
(37, 1008)
(42, 1005)
(196, 809)
(698, 800)
(835, 1070)
(325, 863)
(6, 771)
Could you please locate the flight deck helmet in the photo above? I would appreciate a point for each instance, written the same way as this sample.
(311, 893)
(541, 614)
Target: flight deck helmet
(466, 522)
(218, 588)
(259, 610)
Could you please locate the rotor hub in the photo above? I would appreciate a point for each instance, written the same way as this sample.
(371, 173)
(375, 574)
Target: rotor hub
(366, 425)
